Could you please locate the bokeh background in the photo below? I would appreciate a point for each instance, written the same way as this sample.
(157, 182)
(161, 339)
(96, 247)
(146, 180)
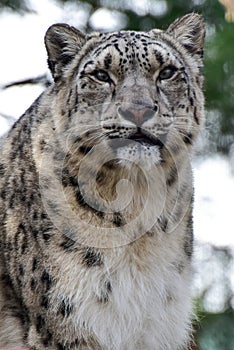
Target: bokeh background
(24, 75)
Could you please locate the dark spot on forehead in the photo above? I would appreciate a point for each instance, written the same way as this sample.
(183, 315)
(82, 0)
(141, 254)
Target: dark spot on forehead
(159, 57)
(107, 61)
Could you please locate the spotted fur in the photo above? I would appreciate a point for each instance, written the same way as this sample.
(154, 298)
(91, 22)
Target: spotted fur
(96, 194)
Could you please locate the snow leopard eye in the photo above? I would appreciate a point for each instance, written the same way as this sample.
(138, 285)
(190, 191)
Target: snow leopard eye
(167, 72)
(101, 75)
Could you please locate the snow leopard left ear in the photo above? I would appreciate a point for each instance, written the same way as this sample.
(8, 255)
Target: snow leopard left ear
(189, 30)
(62, 42)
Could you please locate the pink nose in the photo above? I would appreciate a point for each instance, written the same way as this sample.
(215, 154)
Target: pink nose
(137, 116)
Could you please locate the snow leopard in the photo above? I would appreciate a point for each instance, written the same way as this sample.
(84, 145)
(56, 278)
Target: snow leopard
(96, 194)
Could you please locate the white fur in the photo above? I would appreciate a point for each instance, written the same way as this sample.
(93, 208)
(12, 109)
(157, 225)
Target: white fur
(139, 314)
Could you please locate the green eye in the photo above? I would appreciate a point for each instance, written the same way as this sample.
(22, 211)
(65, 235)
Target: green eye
(101, 75)
(167, 72)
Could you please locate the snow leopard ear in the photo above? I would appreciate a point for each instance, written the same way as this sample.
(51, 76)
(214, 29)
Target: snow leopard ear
(62, 42)
(189, 30)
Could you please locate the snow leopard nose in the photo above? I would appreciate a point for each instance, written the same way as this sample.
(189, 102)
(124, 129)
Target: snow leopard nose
(137, 115)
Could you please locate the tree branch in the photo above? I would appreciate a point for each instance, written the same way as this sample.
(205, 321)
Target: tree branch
(42, 79)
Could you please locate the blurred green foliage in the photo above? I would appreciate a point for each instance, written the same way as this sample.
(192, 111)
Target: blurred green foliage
(216, 331)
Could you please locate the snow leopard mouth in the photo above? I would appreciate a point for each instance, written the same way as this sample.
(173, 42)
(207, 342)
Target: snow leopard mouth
(141, 137)
(146, 139)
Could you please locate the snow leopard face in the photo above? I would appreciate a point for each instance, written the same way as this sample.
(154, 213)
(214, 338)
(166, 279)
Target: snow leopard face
(137, 93)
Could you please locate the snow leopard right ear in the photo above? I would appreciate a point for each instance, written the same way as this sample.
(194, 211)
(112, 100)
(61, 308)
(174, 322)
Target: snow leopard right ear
(189, 31)
(62, 42)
